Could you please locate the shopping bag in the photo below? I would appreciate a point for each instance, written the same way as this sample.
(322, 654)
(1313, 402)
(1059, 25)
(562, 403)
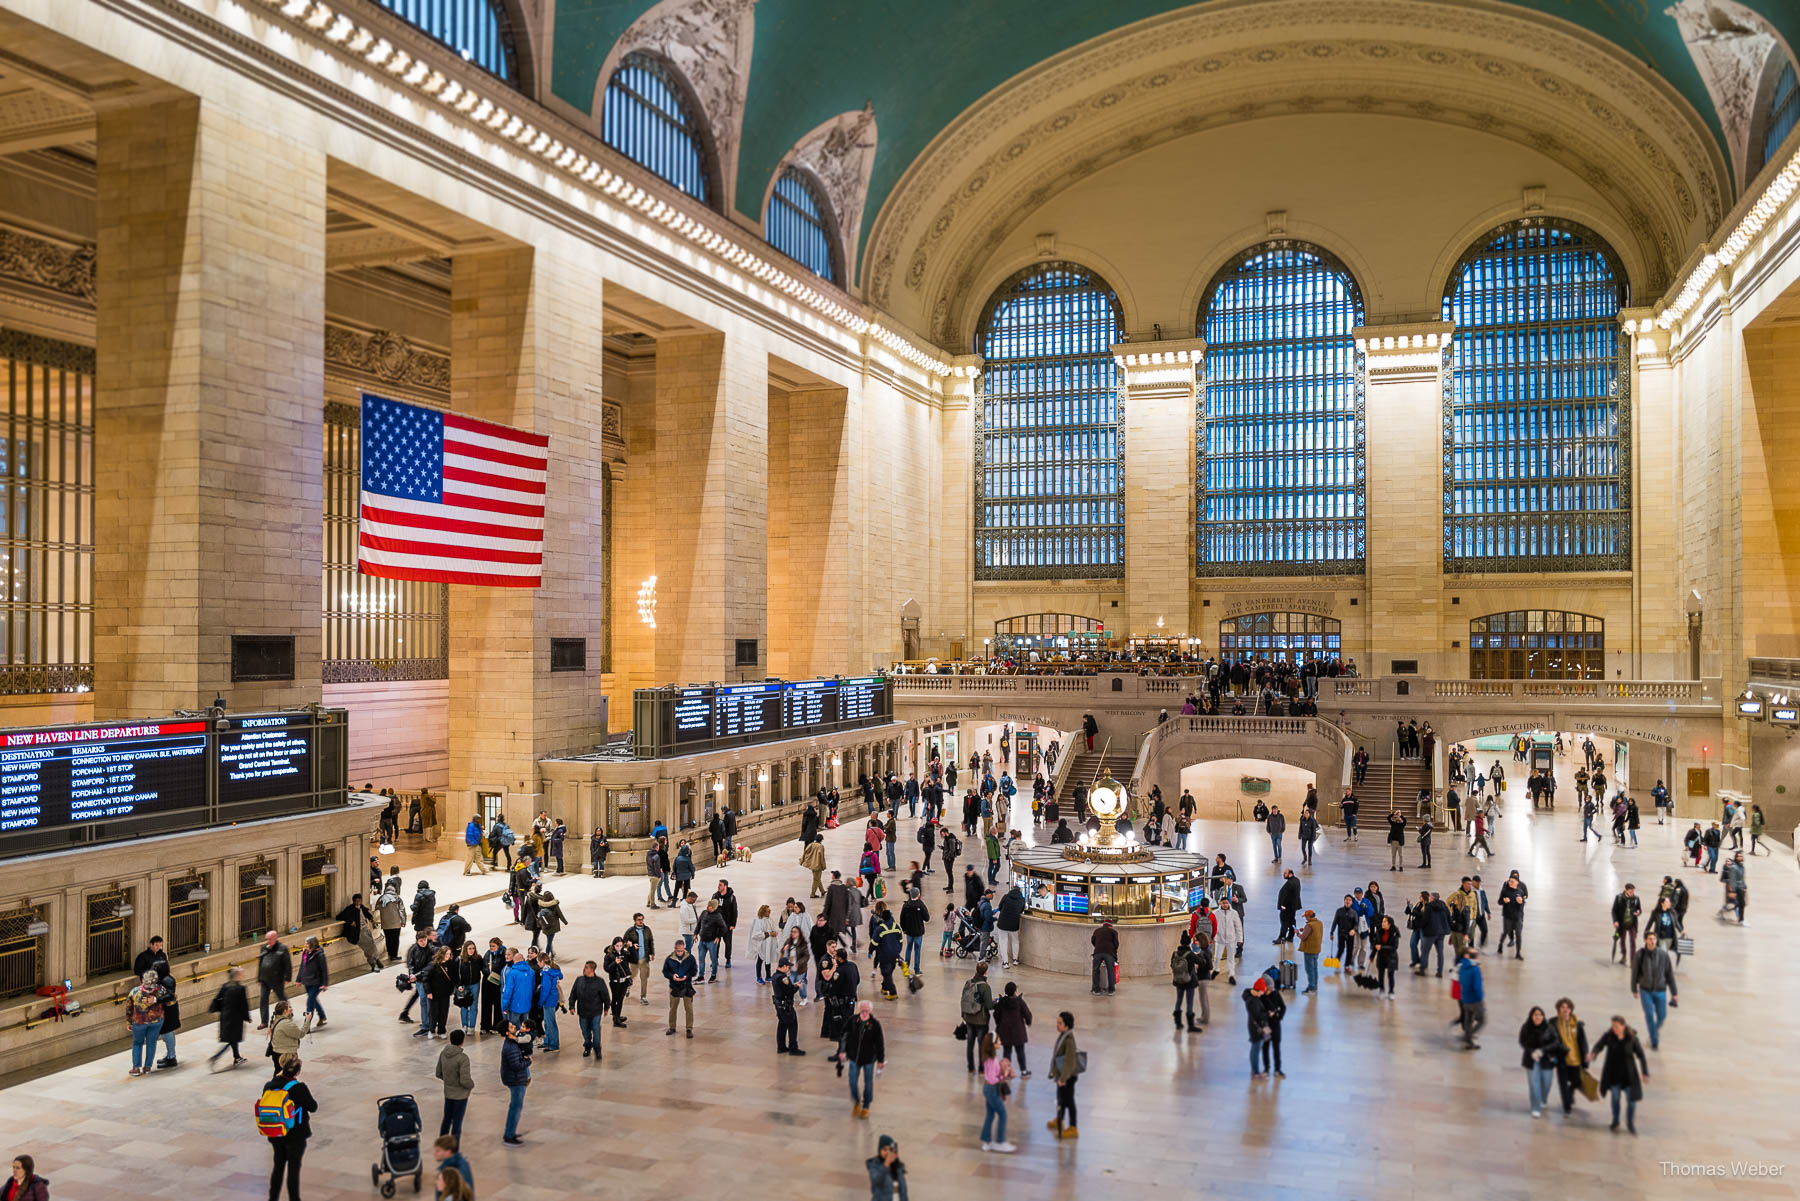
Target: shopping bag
(1590, 1085)
(1684, 945)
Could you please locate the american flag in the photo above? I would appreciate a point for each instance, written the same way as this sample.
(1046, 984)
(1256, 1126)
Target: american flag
(450, 499)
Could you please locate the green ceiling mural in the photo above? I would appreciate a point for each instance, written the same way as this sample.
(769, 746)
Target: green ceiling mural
(924, 61)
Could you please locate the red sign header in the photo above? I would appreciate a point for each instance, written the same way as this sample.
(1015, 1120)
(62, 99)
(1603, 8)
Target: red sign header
(101, 733)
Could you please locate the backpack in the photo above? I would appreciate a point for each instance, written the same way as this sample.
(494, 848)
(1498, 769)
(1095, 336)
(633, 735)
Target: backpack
(1178, 965)
(1203, 961)
(443, 927)
(971, 1001)
(276, 1114)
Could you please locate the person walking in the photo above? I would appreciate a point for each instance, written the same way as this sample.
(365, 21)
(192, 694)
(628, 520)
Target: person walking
(1312, 945)
(474, 855)
(1184, 971)
(1473, 1012)
(711, 932)
(1384, 943)
(284, 1034)
(915, 916)
(1065, 1068)
(515, 1074)
(232, 1004)
(1287, 903)
(1012, 1023)
(1257, 1020)
(1396, 837)
(1513, 895)
(1736, 887)
(1653, 983)
(1627, 909)
(1276, 825)
(763, 943)
(1309, 834)
(458, 1074)
(1540, 1051)
(144, 1018)
(975, 1007)
(995, 1074)
(1571, 1033)
(392, 911)
(1348, 806)
(642, 941)
(589, 999)
(359, 930)
(862, 1050)
(274, 968)
(314, 975)
(680, 970)
(1624, 1070)
(290, 1147)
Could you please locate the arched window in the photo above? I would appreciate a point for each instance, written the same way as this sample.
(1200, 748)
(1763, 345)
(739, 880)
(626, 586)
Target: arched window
(1536, 428)
(1537, 644)
(649, 117)
(1295, 637)
(1279, 471)
(799, 224)
(1783, 111)
(476, 29)
(1049, 466)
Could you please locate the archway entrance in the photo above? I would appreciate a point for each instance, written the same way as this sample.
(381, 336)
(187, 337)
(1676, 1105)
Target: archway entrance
(1228, 789)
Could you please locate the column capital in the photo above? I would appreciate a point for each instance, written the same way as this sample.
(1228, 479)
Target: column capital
(959, 385)
(1172, 362)
(1649, 340)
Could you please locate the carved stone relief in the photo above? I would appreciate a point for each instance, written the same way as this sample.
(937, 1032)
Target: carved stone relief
(66, 270)
(708, 42)
(840, 154)
(388, 358)
(1731, 45)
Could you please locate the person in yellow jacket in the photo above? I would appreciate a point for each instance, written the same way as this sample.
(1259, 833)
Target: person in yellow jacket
(813, 859)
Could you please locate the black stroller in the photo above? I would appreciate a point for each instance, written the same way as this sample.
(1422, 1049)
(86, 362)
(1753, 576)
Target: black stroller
(397, 1118)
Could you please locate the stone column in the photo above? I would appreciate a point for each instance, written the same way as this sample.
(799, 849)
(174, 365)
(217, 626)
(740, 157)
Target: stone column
(954, 561)
(1404, 500)
(526, 353)
(1160, 382)
(808, 533)
(712, 475)
(209, 373)
(1659, 624)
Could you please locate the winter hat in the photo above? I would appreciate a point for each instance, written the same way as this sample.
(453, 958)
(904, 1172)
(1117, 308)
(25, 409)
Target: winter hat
(886, 1141)
(1261, 985)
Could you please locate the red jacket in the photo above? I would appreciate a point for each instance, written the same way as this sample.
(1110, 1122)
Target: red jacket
(1194, 923)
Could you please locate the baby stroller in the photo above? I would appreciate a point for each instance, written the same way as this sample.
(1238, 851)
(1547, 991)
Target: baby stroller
(970, 942)
(397, 1118)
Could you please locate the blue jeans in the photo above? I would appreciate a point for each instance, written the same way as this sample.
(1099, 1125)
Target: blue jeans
(1538, 1080)
(915, 944)
(168, 1042)
(1349, 826)
(1712, 858)
(867, 1073)
(708, 950)
(312, 1001)
(516, 1017)
(993, 1123)
(514, 1108)
(424, 999)
(1275, 841)
(993, 871)
(590, 1031)
(468, 1015)
(1656, 1011)
(143, 1045)
(1181, 841)
(453, 1117)
(1256, 1055)
(1311, 960)
(890, 854)
(552, 1040)
(1630, 1106)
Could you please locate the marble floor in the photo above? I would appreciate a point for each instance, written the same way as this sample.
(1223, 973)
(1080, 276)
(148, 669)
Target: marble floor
(1378, 1100)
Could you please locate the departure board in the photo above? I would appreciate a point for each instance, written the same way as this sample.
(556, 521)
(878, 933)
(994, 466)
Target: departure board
(694, 716)
(811, 703)
(683, 720)
(53, 778)
(860, 700)
(745, 709)
(268, 756)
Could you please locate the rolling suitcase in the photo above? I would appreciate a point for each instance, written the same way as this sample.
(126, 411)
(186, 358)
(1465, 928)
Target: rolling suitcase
(1289, 975)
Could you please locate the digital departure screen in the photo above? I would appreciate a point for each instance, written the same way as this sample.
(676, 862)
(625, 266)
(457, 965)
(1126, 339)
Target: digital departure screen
(694, 715)
(671, 721)
(265, 757)
(53, 778)
(861, 700)
(812, 703)
(748, 709)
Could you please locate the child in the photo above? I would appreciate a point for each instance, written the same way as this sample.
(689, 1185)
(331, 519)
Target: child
(949, 931)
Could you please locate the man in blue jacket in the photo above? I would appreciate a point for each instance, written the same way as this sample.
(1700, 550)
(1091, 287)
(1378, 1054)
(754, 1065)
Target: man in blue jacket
(1473, 1014)
(472, 848)
(518, 989)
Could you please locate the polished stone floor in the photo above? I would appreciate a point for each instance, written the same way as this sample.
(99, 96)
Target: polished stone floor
(1378, 1100)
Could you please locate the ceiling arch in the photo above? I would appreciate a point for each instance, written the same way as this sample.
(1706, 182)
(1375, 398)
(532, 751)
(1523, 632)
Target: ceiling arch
(1493, 68)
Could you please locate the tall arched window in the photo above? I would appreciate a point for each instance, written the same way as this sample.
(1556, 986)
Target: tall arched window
(1279, 471)
(798, 223)
(1536, 430)
(1049, 469)
(649, 117)
(1783, 111)
(1295, 637)
(476, 29)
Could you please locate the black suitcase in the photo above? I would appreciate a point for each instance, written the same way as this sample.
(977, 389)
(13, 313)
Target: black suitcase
(1290, 975)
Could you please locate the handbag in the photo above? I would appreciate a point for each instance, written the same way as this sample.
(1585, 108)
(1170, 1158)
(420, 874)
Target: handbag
(1456, 990)
(463, 997)
(1684, 945)
(1590, 1085)
(961, 1033)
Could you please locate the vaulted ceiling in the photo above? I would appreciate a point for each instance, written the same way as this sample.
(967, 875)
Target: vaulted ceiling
(921, 63)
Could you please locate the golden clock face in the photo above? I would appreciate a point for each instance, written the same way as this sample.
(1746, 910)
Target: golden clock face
(1105, 803)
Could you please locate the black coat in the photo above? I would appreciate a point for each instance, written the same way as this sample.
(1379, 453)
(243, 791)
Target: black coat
(232, 1004)
(589, 996)
(862, 1042)
(1289, 897)
(1540, 1045)
(1622, 1063)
